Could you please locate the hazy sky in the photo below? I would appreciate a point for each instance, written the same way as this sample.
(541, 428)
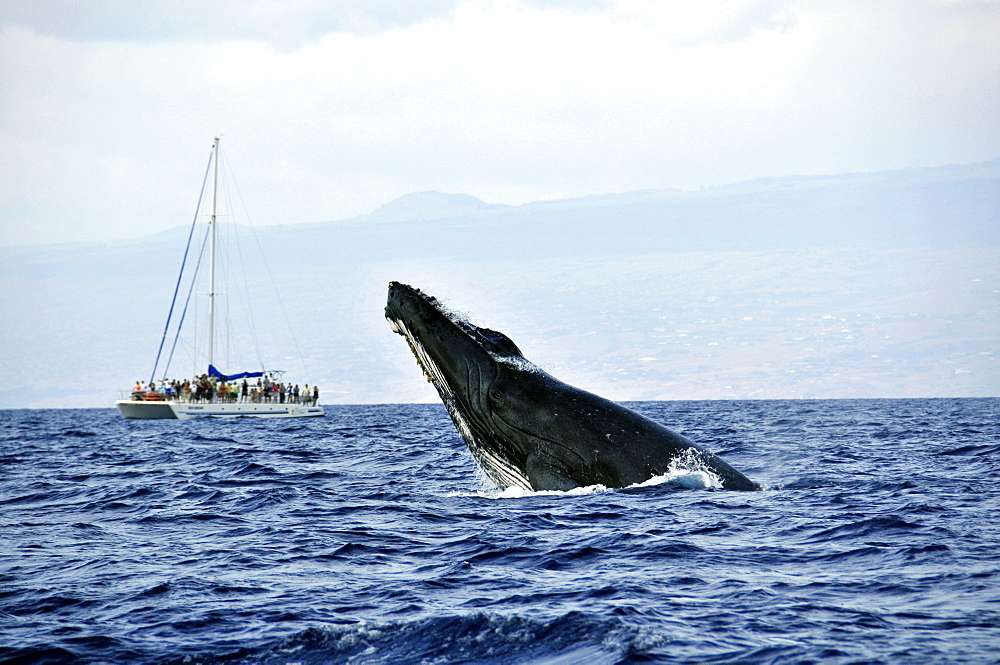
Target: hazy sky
(330, 109)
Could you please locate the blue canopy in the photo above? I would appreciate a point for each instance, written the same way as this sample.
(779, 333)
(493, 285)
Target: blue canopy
(213, 372)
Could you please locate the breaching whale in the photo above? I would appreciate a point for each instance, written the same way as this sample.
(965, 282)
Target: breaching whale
(524, 427)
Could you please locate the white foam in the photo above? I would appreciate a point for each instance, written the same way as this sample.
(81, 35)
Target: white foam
(520, 493)
(686, 471)
(519, 363)
(684, 479)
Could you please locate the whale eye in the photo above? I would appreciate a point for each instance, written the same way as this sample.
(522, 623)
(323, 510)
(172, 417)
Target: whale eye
(497, 399)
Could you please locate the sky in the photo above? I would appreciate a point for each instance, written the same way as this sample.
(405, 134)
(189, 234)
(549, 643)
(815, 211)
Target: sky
(328, 110)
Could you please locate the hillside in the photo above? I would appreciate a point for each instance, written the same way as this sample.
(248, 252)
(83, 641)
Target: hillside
(861, 285)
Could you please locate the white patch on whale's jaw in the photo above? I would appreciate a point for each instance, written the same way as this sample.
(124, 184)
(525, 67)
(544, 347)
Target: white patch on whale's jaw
(496, 467)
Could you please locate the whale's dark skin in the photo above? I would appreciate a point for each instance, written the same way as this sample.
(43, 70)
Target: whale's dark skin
(526, 428)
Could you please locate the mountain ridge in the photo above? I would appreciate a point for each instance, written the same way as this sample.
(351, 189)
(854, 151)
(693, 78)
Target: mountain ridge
(429, 206)
(867, 286)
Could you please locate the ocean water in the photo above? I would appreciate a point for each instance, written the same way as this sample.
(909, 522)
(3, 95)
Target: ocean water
(369, 536)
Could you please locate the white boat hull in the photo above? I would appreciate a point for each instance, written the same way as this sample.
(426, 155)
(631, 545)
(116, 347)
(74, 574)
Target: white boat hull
(133, 408)
(142, 409)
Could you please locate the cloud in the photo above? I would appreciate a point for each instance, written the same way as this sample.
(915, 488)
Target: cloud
(107, 109)
(284, 24)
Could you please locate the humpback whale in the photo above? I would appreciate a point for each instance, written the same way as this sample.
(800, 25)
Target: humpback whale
(524, 427)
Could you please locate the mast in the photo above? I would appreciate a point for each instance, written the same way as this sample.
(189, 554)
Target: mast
(211, 263)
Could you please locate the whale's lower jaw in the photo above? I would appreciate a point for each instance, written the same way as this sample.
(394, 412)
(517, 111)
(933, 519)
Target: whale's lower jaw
(497, 468)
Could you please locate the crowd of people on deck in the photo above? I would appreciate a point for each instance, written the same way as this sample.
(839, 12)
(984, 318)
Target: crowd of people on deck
(206, 388)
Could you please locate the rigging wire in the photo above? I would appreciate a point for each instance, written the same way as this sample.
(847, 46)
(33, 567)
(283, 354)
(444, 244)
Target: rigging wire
(231, 266)
(274, 286)
(187, 302)
(224, 163)
(166, 327)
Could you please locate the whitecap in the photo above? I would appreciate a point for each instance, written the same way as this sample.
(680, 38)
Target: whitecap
(686, 471)
(520, 492)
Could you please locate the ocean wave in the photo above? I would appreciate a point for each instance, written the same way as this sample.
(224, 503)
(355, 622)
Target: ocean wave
(472, 638)
(368, 536)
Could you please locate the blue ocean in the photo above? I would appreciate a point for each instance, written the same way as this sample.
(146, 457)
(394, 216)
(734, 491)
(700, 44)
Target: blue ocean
(370, 536)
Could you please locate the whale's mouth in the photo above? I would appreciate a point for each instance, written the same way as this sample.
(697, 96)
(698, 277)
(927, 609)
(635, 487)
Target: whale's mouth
(410, 312)
(432, 371)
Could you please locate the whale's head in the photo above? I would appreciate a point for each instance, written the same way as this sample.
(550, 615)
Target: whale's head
(466, 364)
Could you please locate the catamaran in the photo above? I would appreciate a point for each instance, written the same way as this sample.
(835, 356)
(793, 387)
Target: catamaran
(259, 394)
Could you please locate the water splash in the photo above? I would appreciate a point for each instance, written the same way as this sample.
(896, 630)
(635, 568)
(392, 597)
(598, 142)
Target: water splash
(687, 471)
(521, 493)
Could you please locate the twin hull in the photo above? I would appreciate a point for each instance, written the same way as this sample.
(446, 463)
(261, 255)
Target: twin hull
(144, 410)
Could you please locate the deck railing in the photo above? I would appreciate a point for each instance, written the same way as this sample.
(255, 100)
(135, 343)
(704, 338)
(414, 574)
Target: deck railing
(184, 398)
